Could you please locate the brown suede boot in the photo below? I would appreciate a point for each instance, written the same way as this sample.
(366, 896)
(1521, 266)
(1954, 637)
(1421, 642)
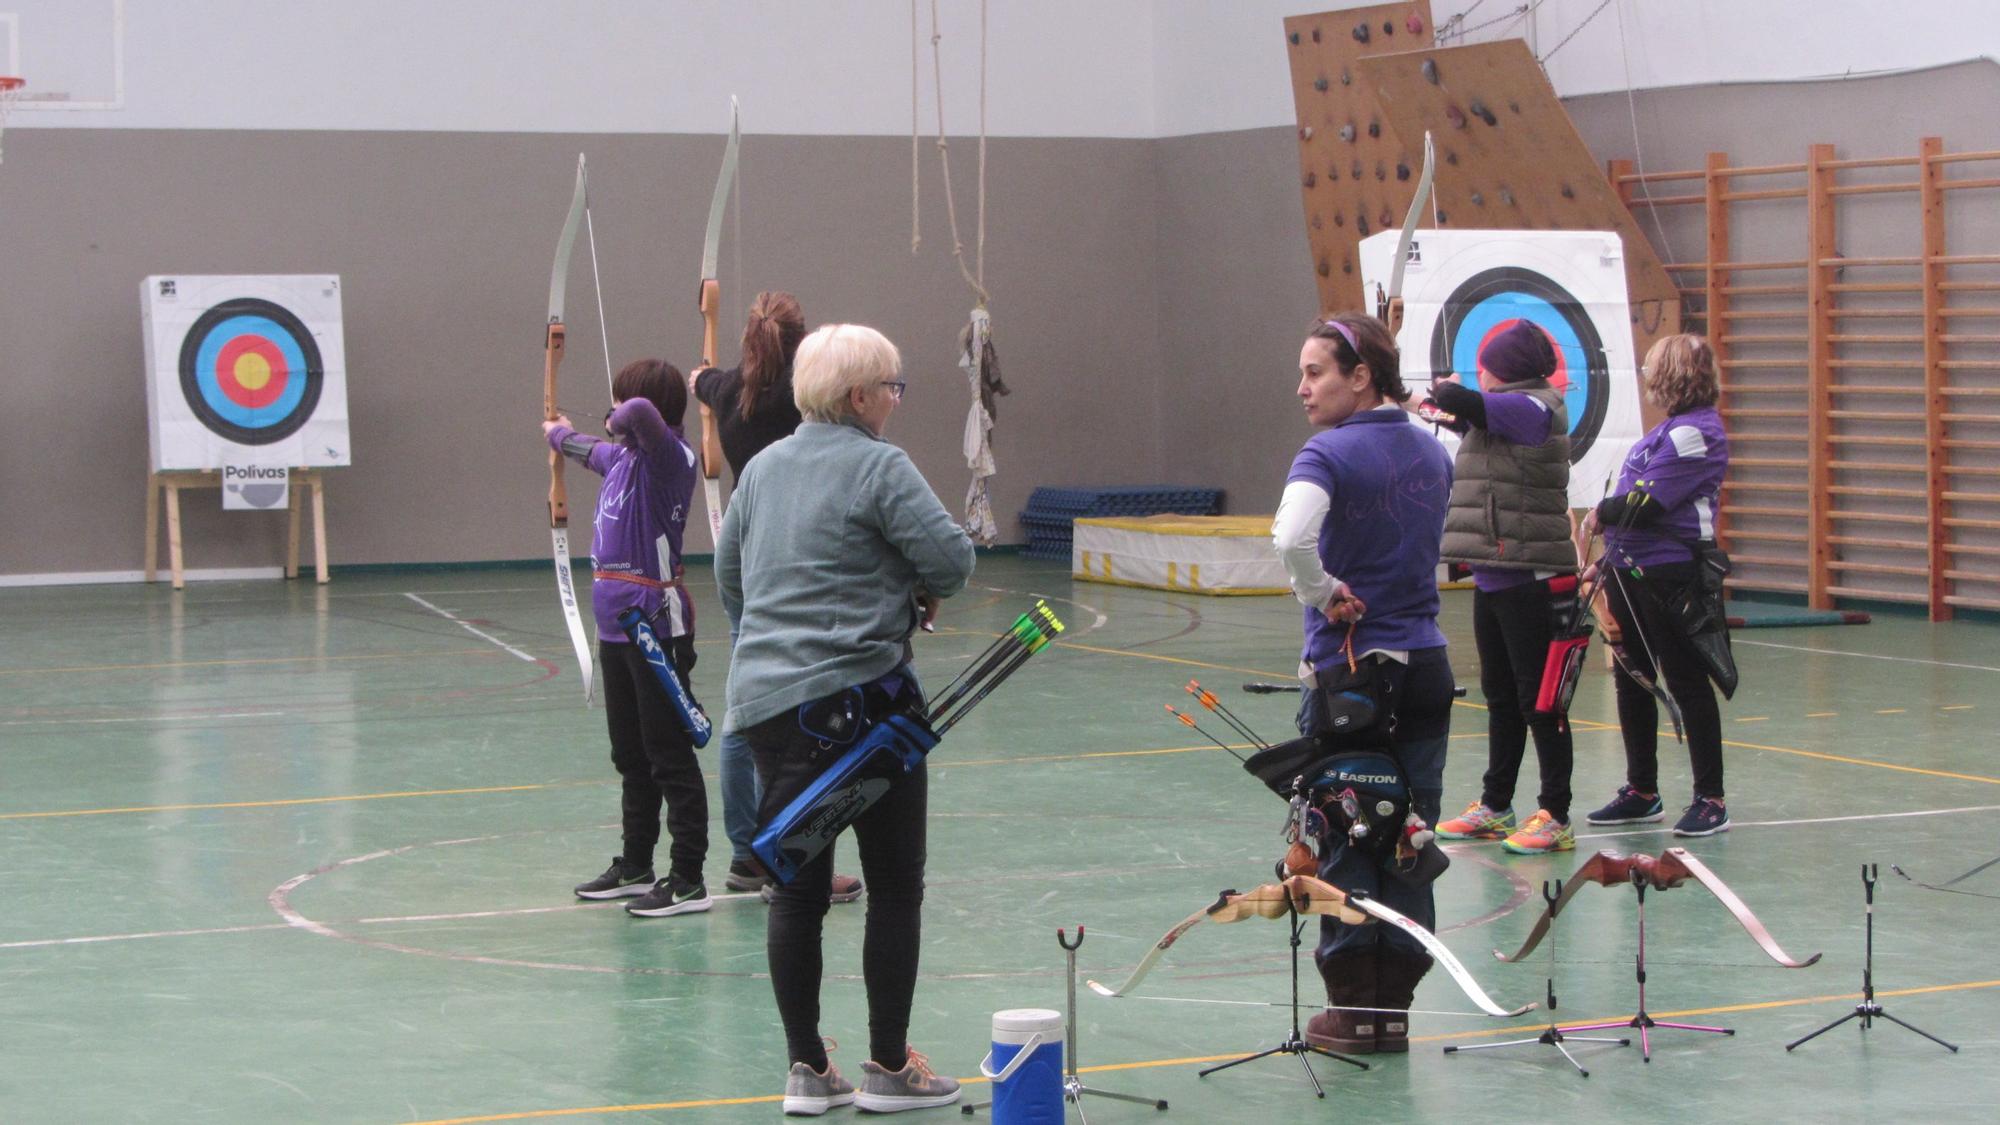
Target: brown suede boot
(1350, 983)
(1396, 977)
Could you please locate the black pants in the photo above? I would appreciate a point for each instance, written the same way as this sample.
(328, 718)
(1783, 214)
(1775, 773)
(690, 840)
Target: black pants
(1420, 704)
(1511, 629)
(1686, 681)
(890, 835)
(654, 757)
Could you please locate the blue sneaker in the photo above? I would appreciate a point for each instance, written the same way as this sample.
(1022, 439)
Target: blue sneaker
(1705, 817)
(1630, 807)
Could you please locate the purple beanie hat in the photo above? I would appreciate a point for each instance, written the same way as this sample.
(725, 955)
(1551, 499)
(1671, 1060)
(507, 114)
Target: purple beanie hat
(1521, 351)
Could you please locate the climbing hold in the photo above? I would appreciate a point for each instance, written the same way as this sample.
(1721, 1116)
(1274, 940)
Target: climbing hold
(1361, 225)
(1431, 71)
(1388, 27)
(1346, 264)
(1415, 24)
(1317, 223)
(1451, 158)
(1305, 132)
(1356, 169)
(1386, 219)
(1294, 37)
(1315, 34)
(1311, 178)
(1346, 79)
(1506, 197)
(1339, 219)
(1320, 83)
(1440, 218)
(1347, 132)
(1478, 109)
(1324, 269)
(1478, 200)
(1402, 171)
(1361, 33)
(1569, 192)
(1381, 170)
(1455, 115)
(1374, 128)
(1514, 106)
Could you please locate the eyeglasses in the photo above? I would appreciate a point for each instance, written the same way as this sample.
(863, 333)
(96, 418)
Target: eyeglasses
(896, 388)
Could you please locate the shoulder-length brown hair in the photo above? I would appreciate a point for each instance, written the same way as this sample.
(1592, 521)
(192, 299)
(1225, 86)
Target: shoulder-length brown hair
(1679, 373)
(770, 341)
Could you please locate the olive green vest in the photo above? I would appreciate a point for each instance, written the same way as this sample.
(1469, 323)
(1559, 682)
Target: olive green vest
(1510, 503)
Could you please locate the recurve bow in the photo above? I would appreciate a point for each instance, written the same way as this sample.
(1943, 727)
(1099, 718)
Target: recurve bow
(1669, 869)
(1391, 311)
(552, 356)
(711, 314)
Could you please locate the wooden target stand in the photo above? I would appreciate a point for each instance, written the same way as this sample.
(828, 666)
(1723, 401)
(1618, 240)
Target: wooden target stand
(171, 483)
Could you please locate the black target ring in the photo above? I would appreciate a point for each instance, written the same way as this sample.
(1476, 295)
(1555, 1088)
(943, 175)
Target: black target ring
(251, 371)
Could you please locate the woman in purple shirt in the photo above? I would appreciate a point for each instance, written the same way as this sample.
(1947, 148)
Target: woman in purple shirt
(1661, 512)
(1357, 530)
(649, 473)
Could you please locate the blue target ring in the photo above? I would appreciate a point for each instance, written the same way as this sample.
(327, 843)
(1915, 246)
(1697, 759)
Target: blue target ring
(1493, 299)
(251, 371)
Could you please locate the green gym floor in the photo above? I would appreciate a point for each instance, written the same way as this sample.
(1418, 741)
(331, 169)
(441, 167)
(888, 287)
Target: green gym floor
(279, 852)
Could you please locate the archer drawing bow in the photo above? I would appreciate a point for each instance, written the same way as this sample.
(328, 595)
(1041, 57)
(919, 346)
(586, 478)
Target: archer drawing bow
(890, 747)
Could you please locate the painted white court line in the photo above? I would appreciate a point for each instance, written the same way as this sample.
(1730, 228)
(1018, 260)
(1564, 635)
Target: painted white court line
(1663, 828)
(143, 719)
(1871, 656)
(468, 627)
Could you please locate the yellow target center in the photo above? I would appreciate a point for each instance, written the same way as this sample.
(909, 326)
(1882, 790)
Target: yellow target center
(252, 371)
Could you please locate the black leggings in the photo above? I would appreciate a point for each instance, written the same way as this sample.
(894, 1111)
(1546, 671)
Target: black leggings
(654, 757)
(1511, 629)
(890, 836)
(1686, 681)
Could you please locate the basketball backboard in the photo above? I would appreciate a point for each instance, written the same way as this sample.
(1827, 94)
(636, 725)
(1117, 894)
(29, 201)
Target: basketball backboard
(72, 52)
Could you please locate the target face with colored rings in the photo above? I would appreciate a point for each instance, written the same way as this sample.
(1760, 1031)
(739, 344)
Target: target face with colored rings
(251, 371)
(1489, 302)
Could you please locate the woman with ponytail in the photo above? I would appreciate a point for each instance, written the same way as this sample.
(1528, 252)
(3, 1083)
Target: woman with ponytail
(753, 408)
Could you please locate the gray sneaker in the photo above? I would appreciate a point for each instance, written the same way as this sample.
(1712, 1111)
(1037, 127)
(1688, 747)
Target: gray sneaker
(913, 1087)
(809, 1093)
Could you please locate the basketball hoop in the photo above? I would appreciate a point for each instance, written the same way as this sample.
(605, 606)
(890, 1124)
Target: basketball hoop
(10, 89)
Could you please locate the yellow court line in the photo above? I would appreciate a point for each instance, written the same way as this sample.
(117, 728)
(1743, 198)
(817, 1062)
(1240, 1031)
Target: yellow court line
(1863, 762)
(1198, 1060)
(281, 803)
(243, 661)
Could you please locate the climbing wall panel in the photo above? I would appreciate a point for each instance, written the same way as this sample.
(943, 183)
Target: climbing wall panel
(1509, 157)
(1355, 174)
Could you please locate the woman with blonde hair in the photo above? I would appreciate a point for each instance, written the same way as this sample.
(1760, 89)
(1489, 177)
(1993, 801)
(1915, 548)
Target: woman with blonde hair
(833, 552)
(1658, 525)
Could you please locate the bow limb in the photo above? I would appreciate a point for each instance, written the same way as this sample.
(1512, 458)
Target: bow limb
(711, 316)
(552, 356)
(1605, 868)
(1452, 965)
(1300, 894)
(1392, 311)
(1674, 861)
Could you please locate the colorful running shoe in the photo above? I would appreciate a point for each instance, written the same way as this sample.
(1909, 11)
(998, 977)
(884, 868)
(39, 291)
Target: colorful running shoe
(1477, 822)
(1542, 834)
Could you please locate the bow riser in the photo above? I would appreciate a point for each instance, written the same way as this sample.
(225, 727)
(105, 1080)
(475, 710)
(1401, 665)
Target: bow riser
(711, 322)
(552, 357)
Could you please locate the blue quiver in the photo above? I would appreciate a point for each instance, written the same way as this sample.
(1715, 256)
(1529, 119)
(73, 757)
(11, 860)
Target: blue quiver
(691, 715)
(892, 747)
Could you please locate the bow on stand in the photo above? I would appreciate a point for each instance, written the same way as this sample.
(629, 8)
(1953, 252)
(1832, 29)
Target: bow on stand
(1307, 895)
(552, 356)
(710, 302)
(1669, 869)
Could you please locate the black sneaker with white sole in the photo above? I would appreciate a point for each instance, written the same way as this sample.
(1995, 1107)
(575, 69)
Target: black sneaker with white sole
(1705, 817)
(671, 895)
(620, 880)
(1630, 807)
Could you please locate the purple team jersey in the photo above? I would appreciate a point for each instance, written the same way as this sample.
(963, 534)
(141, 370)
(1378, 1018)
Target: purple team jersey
(1388, 480)
(642, 512)
(1679, 464)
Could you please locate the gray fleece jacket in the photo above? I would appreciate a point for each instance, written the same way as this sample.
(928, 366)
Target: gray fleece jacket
(829, 535)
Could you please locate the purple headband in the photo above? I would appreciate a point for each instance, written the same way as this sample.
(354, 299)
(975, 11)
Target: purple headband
(1346, 334)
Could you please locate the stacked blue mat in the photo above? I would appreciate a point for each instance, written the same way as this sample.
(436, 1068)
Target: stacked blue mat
(1052, 512)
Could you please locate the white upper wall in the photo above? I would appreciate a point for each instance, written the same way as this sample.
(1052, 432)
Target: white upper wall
(1089, 68)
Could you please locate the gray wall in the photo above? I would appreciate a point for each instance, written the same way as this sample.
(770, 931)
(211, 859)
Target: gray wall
(1149, 295)
(444, 241)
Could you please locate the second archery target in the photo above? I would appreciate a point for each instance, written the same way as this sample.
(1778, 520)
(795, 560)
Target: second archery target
(1461, 287)
(245, 369)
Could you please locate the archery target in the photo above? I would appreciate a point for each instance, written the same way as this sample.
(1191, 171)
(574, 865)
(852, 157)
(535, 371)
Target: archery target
(1462, 287)
(245, 369)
